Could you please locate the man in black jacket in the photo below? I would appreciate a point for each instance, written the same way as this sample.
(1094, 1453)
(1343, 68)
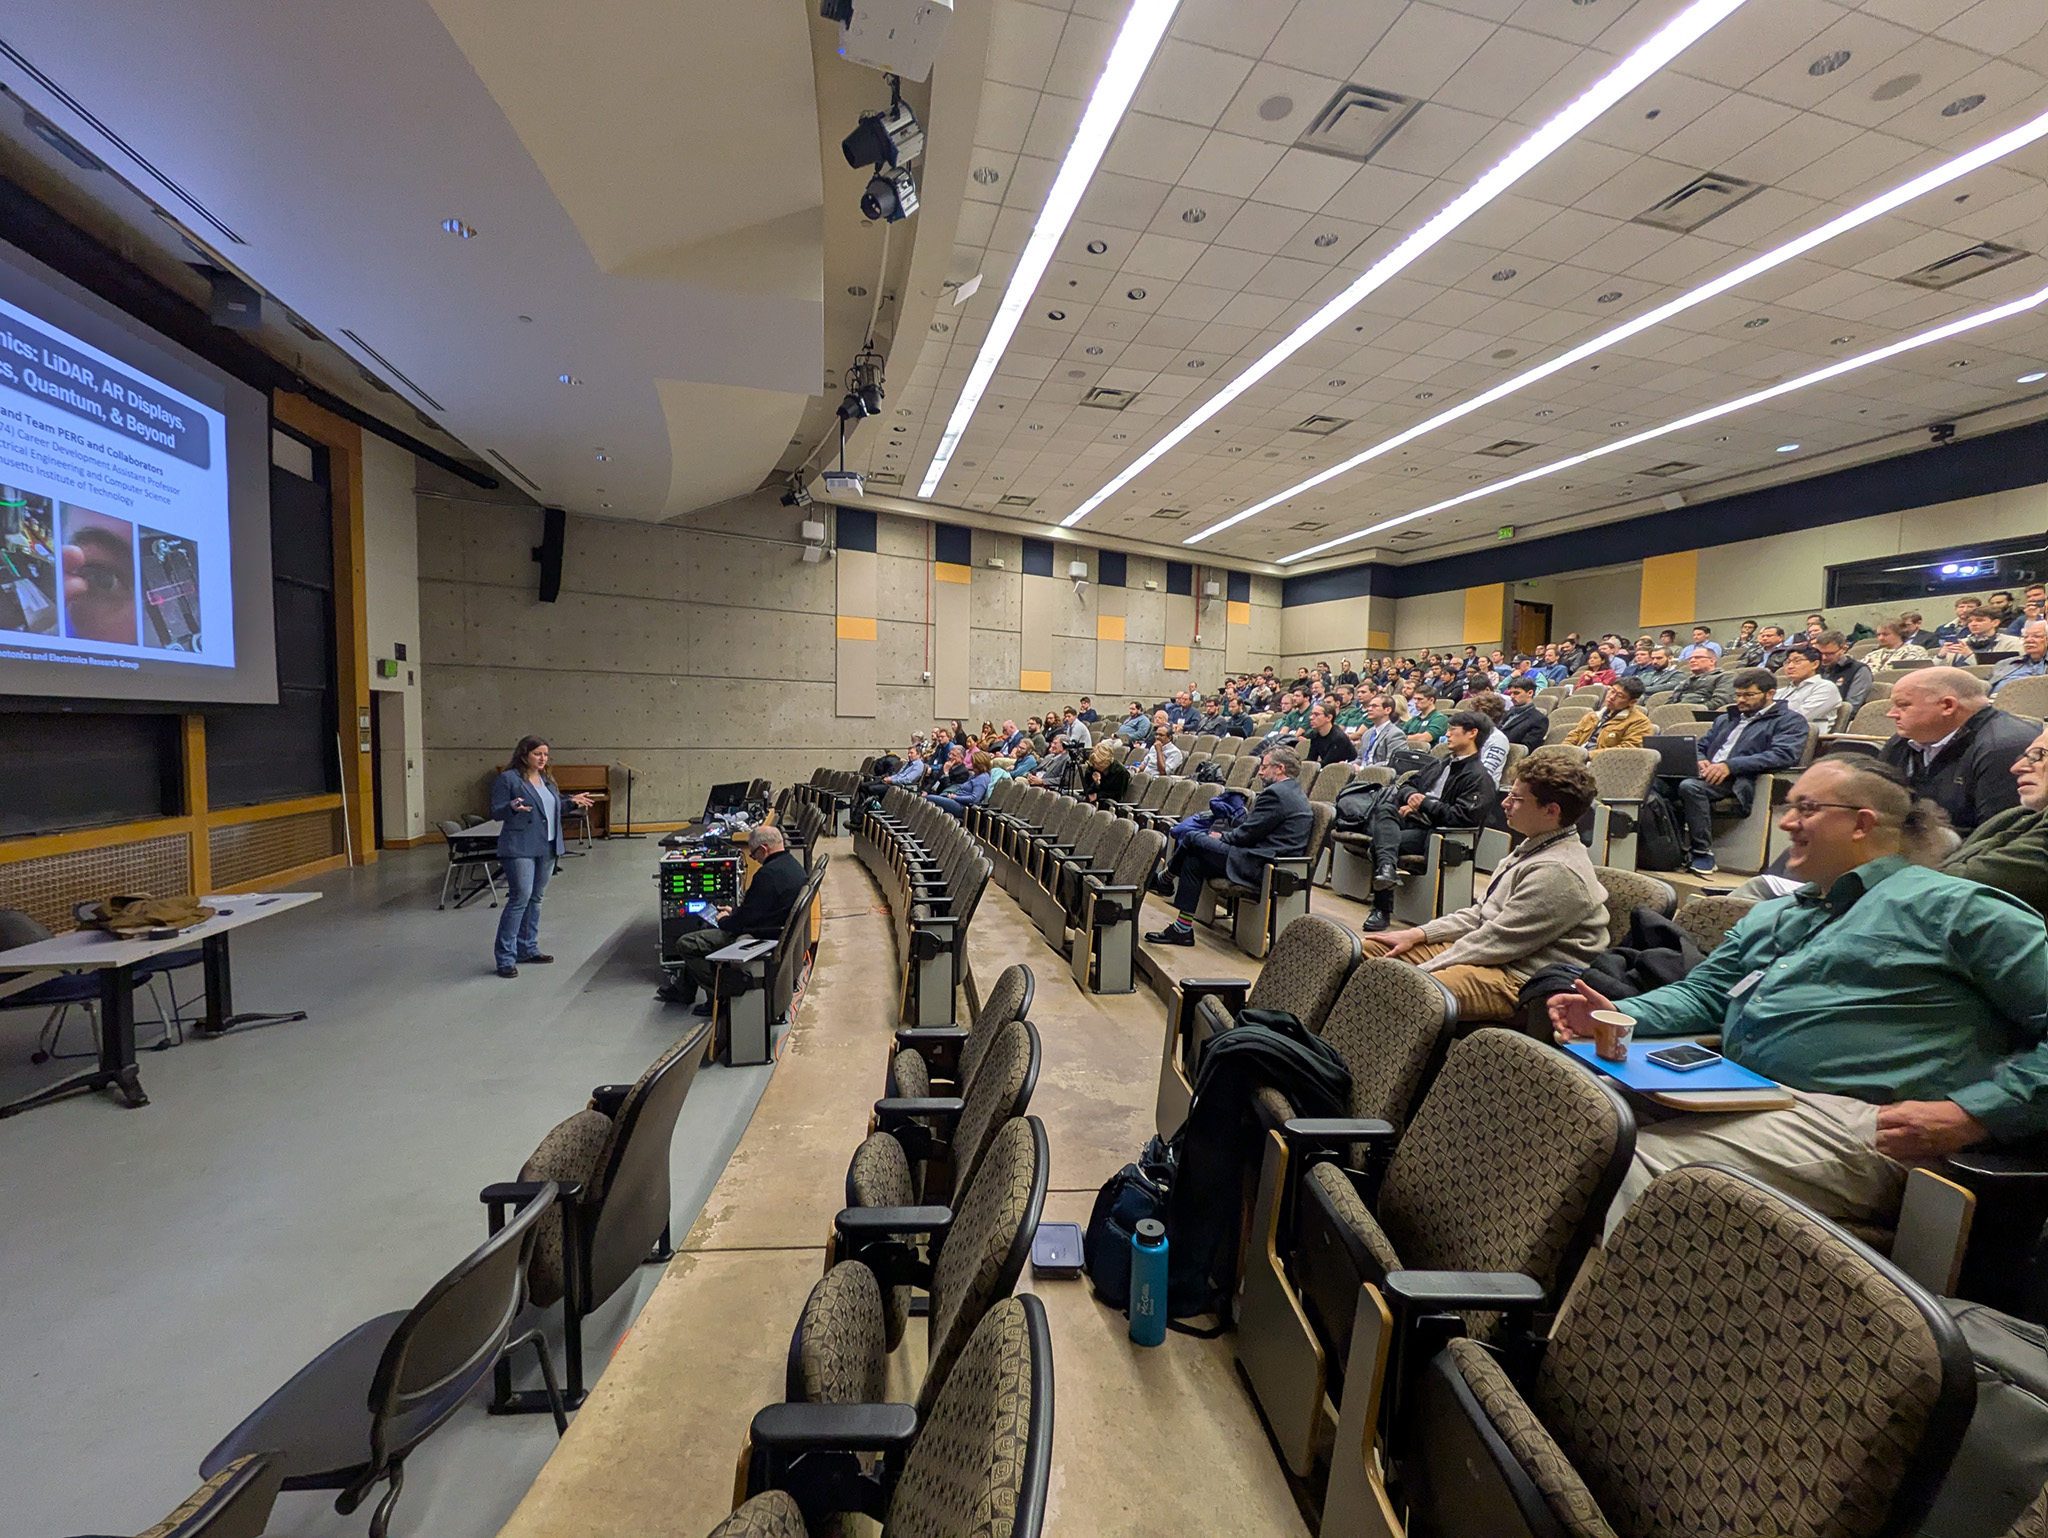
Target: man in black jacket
(1955, 745)
(1524, 723)
(1848, 674)
(1326, 742)
(1276, 828)
(1455, 792)
(764, 910)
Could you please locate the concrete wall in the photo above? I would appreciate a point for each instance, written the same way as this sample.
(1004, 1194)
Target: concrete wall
(698, 655)
(1778, 579)
(391, 607)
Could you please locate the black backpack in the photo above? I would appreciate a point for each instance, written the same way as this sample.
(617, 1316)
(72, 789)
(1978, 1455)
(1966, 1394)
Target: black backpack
(1658, 843)
(1354, 805)
(1210, 773)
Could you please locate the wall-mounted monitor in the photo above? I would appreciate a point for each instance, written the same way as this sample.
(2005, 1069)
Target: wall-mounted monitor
(134, 507)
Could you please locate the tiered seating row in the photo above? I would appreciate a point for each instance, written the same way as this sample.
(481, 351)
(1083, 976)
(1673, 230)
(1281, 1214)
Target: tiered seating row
(932, 876)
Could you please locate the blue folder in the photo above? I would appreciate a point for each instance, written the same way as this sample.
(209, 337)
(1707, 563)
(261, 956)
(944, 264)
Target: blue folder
(1646, 1078)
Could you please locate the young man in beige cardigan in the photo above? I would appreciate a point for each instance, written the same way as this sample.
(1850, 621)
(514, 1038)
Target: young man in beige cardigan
(1544, 904)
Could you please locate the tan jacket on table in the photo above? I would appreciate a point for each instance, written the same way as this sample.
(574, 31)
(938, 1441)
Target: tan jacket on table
(1544, 905)
(1631, 729)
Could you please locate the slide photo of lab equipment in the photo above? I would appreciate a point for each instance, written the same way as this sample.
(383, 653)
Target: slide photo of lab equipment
(99, 577)
(28, 562)
(170, 591)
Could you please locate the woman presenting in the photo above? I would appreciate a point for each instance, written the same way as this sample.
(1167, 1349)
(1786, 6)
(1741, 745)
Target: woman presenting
(528, 807)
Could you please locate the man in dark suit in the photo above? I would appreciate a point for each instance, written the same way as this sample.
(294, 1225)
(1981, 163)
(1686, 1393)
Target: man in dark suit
(1453, 792)
(1524, 723)
(762, 913)
(1276, 828)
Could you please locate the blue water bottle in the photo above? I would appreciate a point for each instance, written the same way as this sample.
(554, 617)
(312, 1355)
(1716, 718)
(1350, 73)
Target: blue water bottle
(1148, 1282)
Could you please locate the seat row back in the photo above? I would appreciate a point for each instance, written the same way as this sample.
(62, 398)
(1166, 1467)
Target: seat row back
(932, 874)
(834, 792)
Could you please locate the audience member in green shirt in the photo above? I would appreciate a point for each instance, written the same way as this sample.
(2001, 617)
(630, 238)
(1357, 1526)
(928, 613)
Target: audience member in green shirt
(1905, 1008)
(1428, 723)
(2010, 851)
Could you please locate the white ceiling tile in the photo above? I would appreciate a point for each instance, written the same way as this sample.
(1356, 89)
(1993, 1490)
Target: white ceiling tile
(1232, 164)
(1505, 71)
(1305, 180)
(1083, 51)
(1162, 256)
(1323, 239)
(1053, 125)
(1021, 42)
(1261, 227)
(1379, 195)
(1790, 148)
(1190, 215)
(1005, 116)
(1433, 140)
(1240, 26)
(1195, 301)
(1285, 278)
(1579, 168)
(1568, 23)
(1872, 45)
(1030, 180)
(1425, 46)
(1997, 27)
(1928, 68)
(1155, 148)
(1191, 84)
(1332, 37)
(1252, 309)
(1227, 268)
(1654, 111)
(1123, 201)
(1836, 176)
(1756, 37)
(1277, 103)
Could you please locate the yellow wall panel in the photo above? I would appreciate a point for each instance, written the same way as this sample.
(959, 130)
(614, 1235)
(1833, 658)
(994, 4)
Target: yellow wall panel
(852, 628)
(1379, 640)
(1670, 589)
(952, 571)
(1030, 682)
(1109, 627)
(1238, 613)
(1484, 607)
(1176, 659)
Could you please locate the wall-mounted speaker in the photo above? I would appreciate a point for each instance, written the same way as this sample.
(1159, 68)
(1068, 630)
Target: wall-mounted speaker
(548, 552)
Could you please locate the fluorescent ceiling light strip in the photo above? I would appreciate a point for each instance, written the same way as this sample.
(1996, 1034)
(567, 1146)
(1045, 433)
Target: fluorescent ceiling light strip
(1142, 31)
(1905, 192)
(1743, 403)
(1689, 25)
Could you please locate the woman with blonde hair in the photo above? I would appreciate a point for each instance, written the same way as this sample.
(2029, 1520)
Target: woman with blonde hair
(1104, 778)
(1893, 648)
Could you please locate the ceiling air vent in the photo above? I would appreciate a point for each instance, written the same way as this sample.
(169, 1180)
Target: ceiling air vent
(1012, 501)
(517, 473)
(1109, 400)
(1670, 467)
(1357, 122)
(1322, 427)
(1173, 513)
(883, 478)
(1507, 448)
(392, 369)
(1699, 200)
(1395, 539)
(1964, 265)
(1305, 528)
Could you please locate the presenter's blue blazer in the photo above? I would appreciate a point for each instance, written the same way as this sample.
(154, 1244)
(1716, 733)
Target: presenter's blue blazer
(524, 835)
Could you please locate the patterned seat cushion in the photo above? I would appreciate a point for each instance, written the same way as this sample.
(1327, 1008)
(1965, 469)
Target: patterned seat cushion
(573, 1151)
(1465, 1190)
(970, 1267)
(1386, 1025)
(1006, 1001)
(964, 1475)
(912, 1075)
(770, 1515)
(1538, 1453)
(840, 1353)
(1730, 1364)
(1306, 969)
(991, 1100)
(879, 1176)
(1350, 1212)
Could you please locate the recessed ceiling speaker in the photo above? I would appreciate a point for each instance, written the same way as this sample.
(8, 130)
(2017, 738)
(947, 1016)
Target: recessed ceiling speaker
(548, 553)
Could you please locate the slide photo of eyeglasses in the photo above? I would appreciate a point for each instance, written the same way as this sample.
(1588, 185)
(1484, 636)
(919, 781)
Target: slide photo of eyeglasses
(99, 577)
(170, 591)
(28, 563)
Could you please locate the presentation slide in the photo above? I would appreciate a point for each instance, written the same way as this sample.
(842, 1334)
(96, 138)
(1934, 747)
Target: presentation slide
(131, 566)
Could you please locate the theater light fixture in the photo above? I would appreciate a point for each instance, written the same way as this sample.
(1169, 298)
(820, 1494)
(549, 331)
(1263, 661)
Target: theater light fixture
(1136, 42)
(888, 141)
(1683, 30)
(1940, 176)
(1727, 408)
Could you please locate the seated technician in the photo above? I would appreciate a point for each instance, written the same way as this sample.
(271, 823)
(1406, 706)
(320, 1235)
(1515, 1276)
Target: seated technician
(1904, 1008)
(1544, 905)
(1277, 827)
(777, 882)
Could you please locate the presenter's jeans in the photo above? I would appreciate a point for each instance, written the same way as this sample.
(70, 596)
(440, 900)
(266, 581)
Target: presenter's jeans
(526, 881)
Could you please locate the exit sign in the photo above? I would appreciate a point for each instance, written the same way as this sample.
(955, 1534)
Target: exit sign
(1507, 531)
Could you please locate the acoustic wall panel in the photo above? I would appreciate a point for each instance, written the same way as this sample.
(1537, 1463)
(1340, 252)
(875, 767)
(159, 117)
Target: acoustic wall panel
(952, 622)
(856, 631)
(1039, 600)
(1670, 589)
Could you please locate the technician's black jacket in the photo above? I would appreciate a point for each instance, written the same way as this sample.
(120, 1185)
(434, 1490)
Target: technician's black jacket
(770, 896)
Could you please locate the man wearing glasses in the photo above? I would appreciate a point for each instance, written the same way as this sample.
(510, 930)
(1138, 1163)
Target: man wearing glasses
(2010, 851)
(1753, 736)
(1905, 1008)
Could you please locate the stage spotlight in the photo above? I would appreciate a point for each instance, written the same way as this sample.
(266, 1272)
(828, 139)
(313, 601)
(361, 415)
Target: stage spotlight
(797, 495)
(891, 196)
(887, 138)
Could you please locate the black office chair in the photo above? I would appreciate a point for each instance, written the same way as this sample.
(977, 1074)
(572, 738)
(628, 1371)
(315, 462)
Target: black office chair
(354, 1414)
(610, 1164)
(235, 1503)
(60, 993)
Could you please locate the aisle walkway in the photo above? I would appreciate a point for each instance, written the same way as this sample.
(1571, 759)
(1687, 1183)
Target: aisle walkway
(1147, 1442)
